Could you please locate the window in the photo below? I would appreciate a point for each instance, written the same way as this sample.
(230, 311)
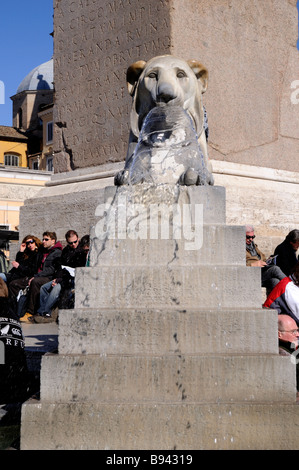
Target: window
(49, 137)
(35, 164)
(11, 160)
(20, 118)
(50, 164)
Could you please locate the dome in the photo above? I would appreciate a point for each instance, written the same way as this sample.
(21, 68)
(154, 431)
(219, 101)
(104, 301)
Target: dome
(40, 78)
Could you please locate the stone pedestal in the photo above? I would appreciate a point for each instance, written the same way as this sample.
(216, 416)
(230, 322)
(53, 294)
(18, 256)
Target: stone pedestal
(167, 347)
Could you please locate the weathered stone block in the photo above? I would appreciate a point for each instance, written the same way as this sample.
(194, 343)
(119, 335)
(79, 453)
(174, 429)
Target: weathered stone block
(164, 379)
(95, 426)
(171, 286)
(167, 331)
(218, 245)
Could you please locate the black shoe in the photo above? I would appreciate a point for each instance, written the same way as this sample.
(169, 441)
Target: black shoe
(43, 318)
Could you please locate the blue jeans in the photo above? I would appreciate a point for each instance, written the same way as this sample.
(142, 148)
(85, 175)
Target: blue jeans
(3, 276)
(48, 297)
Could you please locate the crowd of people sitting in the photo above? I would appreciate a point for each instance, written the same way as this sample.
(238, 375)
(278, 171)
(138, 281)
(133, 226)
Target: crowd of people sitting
(280, 277)
(41, 277)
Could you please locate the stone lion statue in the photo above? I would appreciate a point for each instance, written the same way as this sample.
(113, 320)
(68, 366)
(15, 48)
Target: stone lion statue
(167, 82)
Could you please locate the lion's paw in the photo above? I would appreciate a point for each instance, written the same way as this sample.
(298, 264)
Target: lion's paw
(192, 177)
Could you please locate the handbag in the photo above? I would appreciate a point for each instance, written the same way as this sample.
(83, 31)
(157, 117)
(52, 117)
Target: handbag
(22, 292)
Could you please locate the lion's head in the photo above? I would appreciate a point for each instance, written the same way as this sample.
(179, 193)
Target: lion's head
(166, 80)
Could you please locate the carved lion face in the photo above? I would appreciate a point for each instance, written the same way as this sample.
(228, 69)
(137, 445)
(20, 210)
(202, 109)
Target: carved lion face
(168, 81)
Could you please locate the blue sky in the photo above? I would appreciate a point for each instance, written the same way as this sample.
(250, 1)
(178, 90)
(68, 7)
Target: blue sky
(25, 43)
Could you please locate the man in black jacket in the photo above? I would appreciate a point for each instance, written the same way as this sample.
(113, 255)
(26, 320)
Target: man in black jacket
(51, 252)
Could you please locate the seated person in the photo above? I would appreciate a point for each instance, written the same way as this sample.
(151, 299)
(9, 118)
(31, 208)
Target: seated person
(72, 256)
(288, 339)
(50, 250)
(285, 296)
(25, 264)
(286, 251)
(23, 268)
(271, 274)
(84, 245)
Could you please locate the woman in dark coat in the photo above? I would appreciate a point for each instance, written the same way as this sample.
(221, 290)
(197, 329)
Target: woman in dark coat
(23, 268)
(26, 262)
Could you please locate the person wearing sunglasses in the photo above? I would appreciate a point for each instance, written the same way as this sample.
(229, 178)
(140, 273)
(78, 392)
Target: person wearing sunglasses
(271, 274)
(25, 263)
(23, 268)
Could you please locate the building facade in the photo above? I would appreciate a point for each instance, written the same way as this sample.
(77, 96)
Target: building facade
(13, 147)
(24, 148)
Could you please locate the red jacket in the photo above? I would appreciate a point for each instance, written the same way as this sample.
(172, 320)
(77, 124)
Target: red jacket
(285, 298)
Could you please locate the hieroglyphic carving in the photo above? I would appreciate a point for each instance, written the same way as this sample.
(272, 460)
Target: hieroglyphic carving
(94, 44)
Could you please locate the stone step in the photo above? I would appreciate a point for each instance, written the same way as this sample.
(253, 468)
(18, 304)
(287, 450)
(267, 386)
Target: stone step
(167, 379)
(154, 331)
(158, 287)
(207, 245)
(212, 198)
(156, 212)
(96, 426)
